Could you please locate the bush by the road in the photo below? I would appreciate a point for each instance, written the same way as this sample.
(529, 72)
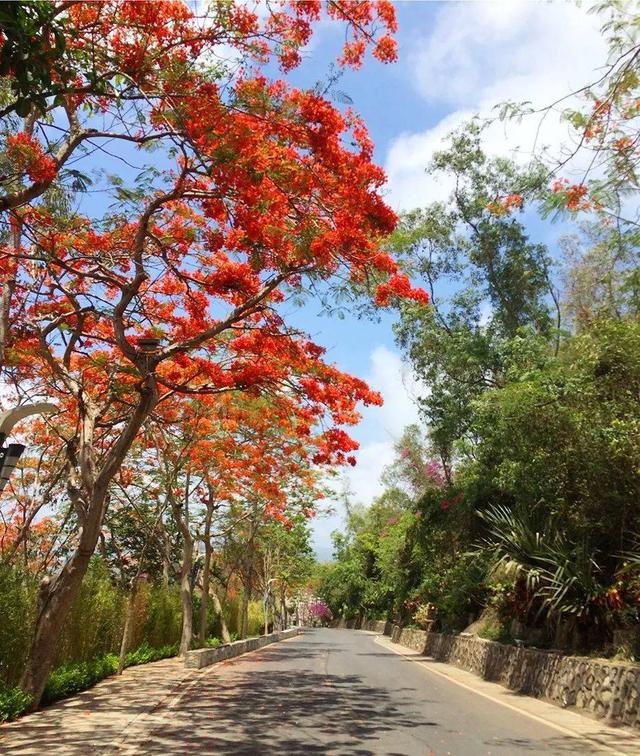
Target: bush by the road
(69, 679)
(13, 702)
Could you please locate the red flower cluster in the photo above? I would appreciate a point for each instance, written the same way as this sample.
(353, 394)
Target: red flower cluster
(449, 502)
(504, 205)
(399, 286)
(575, 195)
(27, 157)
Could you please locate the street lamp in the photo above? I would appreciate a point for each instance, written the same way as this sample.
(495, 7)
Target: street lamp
(9, 455)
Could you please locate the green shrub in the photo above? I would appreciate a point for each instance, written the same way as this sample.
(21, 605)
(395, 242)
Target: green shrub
(69, 679)
(213, 642)
(95, 623)
(163, 624)
(91, 634)
(496, 632)
(256, 618)
(13, 702)
(232, 614)
(72, 678)
(145, 654)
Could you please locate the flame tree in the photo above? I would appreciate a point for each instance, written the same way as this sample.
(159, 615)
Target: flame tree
(234, 192)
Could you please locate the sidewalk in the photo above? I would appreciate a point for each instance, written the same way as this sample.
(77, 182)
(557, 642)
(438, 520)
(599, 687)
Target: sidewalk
(103, 718)
(615, 740)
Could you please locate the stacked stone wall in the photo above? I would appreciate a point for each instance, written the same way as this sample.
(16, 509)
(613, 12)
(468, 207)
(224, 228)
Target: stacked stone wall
(605, 689)
(383, 627)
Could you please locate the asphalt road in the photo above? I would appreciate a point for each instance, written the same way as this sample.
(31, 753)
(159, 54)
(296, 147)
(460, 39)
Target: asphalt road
(339, 692)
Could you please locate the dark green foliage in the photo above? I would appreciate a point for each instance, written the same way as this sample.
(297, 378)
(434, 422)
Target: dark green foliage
(145, 654)
(94, 625)
(522, 497)
(13, 702)
(163, 622)
(73, 678)
(496, 280)
(33, 52)
(92, 634)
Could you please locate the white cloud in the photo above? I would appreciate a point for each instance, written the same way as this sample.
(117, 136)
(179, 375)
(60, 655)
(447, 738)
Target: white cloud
(478, 55)
(364, 478)
(381, 427)
(399, 387)
(520, 50)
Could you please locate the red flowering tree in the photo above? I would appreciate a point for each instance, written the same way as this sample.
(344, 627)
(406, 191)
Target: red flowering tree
(167, 279)
(238, 455)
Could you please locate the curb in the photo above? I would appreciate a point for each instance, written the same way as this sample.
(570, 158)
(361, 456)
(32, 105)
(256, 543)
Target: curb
(204, 657)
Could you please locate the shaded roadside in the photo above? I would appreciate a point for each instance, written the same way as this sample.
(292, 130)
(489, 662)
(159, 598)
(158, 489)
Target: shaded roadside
(95, 719)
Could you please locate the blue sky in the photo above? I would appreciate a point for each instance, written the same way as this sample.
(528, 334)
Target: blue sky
(456, 60)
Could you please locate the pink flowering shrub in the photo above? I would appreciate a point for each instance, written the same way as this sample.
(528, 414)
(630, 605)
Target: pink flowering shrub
(319, 614)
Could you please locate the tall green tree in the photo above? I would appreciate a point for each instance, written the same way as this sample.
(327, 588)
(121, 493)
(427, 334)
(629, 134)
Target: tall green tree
(488, 282)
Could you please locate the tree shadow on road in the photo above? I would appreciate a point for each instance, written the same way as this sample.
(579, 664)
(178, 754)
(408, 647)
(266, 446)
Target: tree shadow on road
(258, 705)
(285, 712)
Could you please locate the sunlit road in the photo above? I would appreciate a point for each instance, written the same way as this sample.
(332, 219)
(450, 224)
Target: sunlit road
(339, 692)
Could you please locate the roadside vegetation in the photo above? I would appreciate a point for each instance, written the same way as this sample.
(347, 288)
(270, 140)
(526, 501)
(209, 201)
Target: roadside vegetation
(517, 500)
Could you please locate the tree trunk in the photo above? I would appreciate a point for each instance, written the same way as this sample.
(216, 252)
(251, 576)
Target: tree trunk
(283, 610)
(186, 596)
(206, 572)
(181, 517)
(54, 602)
(166, 555)
(265, 610)
(226, 637)
(7, 291)
(204, 597)
(128, 623)
(244, 623)
(88, 487)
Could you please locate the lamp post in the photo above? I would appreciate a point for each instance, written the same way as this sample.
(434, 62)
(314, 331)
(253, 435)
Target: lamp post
(9, 455)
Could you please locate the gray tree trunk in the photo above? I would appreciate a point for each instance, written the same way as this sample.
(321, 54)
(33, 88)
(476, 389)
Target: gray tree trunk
(186, 596)
(128, 624)
(54, 602)
(226, 637)
(244, 624)
(206, 571)
(204, 598)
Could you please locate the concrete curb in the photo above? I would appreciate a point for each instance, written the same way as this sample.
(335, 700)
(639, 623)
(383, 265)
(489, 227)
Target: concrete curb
(204, 657)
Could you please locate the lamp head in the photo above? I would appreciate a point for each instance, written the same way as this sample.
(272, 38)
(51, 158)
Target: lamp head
(149, 344)
(9, 457)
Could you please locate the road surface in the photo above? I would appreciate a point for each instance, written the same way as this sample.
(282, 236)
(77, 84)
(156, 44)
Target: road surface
(340, 692)
(324, 692)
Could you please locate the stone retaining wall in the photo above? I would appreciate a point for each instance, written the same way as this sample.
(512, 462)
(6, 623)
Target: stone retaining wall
(203, 657)
(608, 690)
(377, 626)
